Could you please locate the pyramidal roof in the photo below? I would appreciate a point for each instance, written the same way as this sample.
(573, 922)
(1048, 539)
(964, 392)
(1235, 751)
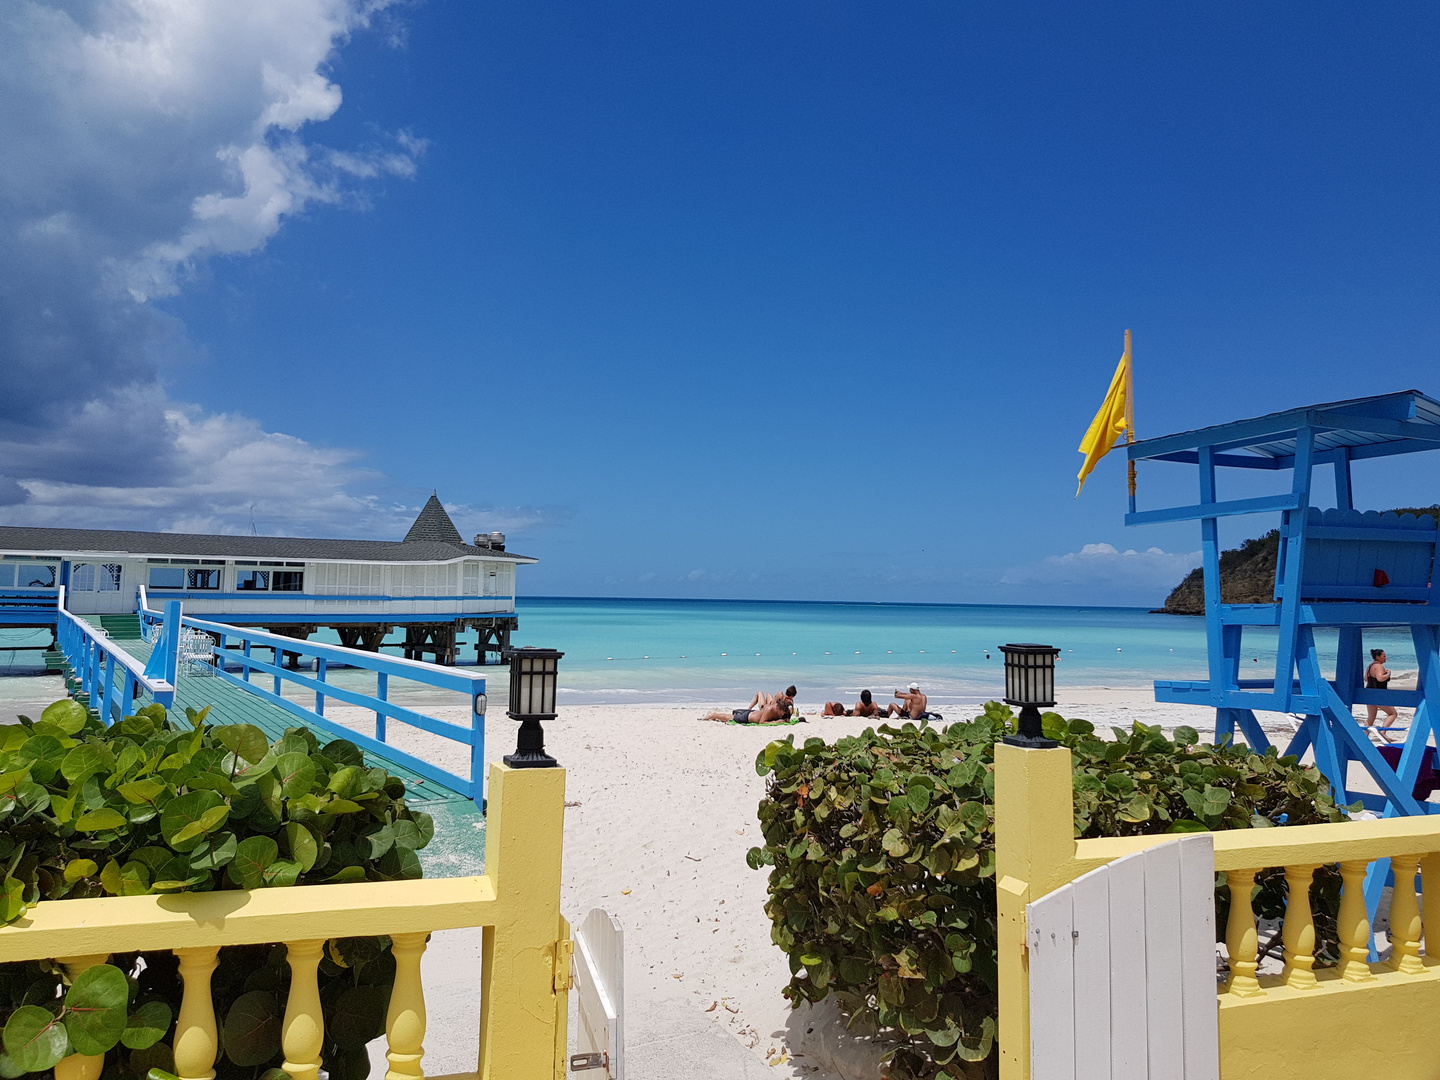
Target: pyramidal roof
(434, 525)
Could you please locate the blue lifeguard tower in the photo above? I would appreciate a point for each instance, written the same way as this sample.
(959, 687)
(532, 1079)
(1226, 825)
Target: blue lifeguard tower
(1337, 568)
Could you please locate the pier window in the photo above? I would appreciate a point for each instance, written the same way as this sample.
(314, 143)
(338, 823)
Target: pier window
(167, 577)
(7, 575)
(82, 577)
(247, 580)
(199, 574)
(34, 576)
(288, 580)
(206, 577)
(109, 577)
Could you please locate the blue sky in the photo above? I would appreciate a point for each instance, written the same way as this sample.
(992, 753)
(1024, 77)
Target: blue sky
(755, 300)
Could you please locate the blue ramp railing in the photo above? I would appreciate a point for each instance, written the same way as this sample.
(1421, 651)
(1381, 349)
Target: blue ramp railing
(94, 658)
(235, 645)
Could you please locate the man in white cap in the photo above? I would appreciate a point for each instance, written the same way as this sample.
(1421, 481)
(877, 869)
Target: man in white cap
(915, 704)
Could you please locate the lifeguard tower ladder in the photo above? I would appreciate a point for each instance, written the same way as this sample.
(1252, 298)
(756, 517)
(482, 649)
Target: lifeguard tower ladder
(1336, 568)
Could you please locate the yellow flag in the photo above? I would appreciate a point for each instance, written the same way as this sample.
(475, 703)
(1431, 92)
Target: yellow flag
(1114, 419)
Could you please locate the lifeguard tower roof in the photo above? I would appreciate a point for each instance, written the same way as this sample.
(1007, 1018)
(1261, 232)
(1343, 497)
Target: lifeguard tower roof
(1400, 423)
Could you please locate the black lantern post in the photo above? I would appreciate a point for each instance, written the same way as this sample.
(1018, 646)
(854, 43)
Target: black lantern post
(532, 699)
(1030, 684)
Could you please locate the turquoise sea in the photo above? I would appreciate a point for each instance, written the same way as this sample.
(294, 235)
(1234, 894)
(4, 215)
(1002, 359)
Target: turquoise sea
(722, 651)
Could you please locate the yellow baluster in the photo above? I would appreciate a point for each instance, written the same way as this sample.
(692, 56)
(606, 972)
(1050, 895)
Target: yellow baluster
(405, 1022)
(1405, 917)
(304, 1030)
(196, 1040)
(1299, 928)
(1430, 892)
(1241, 939)
(81, 1066)
(1353, 924)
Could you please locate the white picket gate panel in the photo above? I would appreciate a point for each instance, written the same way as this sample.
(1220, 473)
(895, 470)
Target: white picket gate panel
(1122, 970)
(599, 971)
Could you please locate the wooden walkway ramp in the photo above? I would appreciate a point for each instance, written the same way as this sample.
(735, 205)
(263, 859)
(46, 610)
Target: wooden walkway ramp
(459, 845)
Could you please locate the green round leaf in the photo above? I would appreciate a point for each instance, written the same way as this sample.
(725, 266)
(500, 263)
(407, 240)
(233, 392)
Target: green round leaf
(76, 869)
(245, 741)
(297, 774)
(101, 820)
(141, 791)
(216, 852)
(253, 856)
(85, 760)
(186, 815)
(301, 842)
(68, 715)
(95, 1009)
(252, 1029)
(344, 752)
(282, 873)
(34, 1039)
(147, 1025)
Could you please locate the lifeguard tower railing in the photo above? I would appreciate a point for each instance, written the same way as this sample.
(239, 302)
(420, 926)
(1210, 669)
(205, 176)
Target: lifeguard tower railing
(1337, 568)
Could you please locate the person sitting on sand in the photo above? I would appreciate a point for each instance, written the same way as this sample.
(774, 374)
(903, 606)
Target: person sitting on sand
(1377, 677)
(776, 712)
(864, 707)
(761, 699)
(915, 705)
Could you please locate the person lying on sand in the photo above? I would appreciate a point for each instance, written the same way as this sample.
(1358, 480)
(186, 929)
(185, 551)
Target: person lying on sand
(915, 705)
(864, 707)
(776, 712)
(761, 699)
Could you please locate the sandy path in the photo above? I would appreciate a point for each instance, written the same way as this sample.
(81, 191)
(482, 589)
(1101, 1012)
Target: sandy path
(661, 810)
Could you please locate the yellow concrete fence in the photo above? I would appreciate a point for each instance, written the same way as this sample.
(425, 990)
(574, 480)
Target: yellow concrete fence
(524, 980)
(1355, 1020)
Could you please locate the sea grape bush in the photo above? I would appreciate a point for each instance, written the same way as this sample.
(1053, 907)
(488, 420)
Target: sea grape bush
(149, 805)
(882, 890)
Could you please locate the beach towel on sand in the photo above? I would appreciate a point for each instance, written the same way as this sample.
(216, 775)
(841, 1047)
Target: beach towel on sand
(775, 723)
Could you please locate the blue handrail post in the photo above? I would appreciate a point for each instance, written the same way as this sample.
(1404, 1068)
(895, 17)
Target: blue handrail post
(247, 660)
(95, 654)
(382, 690)
(172, 641)
(320, 677)
(127, 699)
(107, 691)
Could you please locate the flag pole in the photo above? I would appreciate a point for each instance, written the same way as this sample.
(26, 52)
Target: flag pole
(1130, 414)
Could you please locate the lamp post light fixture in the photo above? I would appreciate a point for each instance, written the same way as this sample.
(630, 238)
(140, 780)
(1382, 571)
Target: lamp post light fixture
(1030, 684)
(532, 699)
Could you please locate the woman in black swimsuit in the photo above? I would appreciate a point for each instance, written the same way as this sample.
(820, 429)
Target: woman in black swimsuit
(1377, 677)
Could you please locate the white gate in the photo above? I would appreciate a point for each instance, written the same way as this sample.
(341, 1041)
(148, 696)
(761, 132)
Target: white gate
(599, 970)
(1122, 970)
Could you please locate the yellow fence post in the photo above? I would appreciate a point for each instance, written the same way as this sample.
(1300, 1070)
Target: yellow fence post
(524, 829)
(1034, 848)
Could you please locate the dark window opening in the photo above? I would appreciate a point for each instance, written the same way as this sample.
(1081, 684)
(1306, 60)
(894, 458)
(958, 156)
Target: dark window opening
(287, 581)
(202, 579)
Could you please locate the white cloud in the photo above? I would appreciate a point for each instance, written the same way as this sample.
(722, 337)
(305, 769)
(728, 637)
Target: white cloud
(1131, 575)
(143, 137)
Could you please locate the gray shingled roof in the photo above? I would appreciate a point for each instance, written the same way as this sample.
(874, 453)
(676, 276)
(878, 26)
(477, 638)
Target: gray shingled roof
(434, 524)
(48, 541)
